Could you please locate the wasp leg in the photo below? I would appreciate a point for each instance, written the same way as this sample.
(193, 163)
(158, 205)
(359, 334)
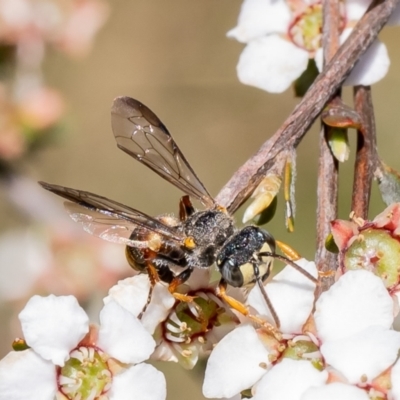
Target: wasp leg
(240, 307)
(178, 280)
(153, 274)
(154, 279)
(291, 263)
(233, 303)
(186, 208)
(288, 251)
(326, 274)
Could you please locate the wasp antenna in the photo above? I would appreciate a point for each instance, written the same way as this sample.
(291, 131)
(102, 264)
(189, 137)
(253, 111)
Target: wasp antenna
(268, 302)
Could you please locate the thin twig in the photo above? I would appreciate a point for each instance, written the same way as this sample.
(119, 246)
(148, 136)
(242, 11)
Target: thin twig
(366, 156)
(328, 168)
(247, 177)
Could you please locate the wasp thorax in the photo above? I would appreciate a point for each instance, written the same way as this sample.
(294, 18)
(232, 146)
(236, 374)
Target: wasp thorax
(209, 227)
(242, 258)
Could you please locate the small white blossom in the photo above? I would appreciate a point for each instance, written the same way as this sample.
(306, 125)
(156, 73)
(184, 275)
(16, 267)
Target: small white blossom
(71, 361)
(243, 357)
(282, 35)
(348, 340)
(183, 330)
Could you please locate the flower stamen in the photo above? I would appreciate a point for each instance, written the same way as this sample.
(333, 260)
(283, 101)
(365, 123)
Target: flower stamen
(86, 375)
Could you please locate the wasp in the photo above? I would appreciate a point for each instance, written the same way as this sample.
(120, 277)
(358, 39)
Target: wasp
(170, 248)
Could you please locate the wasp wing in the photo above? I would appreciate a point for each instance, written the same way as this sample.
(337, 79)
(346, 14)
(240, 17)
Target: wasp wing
(104, 226)
(116, 216)
(141, 134)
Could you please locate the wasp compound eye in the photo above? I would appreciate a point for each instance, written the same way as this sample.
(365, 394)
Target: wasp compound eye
(231, 273)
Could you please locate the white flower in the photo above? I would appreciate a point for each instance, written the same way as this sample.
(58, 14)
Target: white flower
(281, 36)
(354, 320)
(183, 330)
(242, 357)
(70, 360)
(347, 340)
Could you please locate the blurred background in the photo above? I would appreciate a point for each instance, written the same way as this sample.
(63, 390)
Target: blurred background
(174, 57)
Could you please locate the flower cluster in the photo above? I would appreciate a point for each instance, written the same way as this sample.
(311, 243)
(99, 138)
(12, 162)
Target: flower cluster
(184, 329)
(30, 111)
(341, 346)
(345, 349)
(27, 121)
(282, 36)
(68, 359)
(68, 25)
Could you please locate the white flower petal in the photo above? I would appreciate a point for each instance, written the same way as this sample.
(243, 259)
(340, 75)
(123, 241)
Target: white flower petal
(160, 306)
(335, 391)
(25, 375)
(260, 17)
(288, 380)
(395, 380)
(271, 63)
(319, 58)
(372, 66)
(291, 294)
(142, 382)
(131, 293)
(355, 9)
(356, 301)
(235, 364)
(53, 326)
(122, 336)
(364, 355)
(164, 352)
(395, 17)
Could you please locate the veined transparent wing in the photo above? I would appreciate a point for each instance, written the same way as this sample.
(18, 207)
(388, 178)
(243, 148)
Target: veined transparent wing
(141, 134)
(104, 226)
(111, 211)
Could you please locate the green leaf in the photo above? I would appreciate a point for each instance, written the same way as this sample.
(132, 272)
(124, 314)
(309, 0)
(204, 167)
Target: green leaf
(339, 143)
(306, 79)
(330, 244)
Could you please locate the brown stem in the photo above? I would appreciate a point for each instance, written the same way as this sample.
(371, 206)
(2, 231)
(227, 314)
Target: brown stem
(366, 152)
(328, 168)
(247, 177)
